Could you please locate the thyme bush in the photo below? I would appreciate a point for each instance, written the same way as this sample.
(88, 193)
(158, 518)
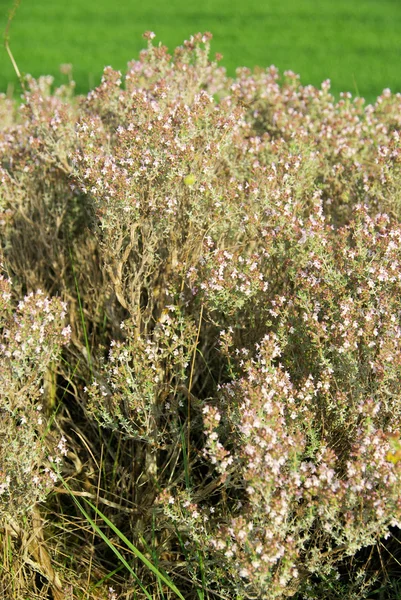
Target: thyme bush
(32, 337)
(229, 254)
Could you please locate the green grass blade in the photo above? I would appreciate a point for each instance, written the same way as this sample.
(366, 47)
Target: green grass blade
(130, 545)
(137, 552)
(185, 459)
(106, 539)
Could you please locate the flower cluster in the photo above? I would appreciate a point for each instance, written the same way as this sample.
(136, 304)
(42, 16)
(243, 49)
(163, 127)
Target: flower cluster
(138, 384)
(302, 500)
(32, 336)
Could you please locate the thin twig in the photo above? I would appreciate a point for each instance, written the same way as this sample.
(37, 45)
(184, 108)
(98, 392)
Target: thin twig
(190, 384)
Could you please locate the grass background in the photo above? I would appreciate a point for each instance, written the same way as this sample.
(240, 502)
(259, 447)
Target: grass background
(355, 43)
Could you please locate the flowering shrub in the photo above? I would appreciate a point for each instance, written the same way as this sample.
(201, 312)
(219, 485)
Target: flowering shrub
(230, 253)
(139, 378)
(31, 338)
(306, 498)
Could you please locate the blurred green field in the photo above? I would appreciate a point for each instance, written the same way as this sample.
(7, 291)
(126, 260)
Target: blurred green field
(355, 43)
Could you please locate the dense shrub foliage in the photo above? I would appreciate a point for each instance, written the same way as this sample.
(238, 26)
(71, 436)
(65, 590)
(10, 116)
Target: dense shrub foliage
(31, 340)
(226, 256)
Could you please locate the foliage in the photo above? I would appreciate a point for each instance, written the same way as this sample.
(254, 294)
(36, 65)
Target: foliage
(227, 255)
(31, 338)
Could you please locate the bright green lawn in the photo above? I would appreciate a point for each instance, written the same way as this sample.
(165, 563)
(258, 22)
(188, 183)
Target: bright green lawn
(356, 43)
